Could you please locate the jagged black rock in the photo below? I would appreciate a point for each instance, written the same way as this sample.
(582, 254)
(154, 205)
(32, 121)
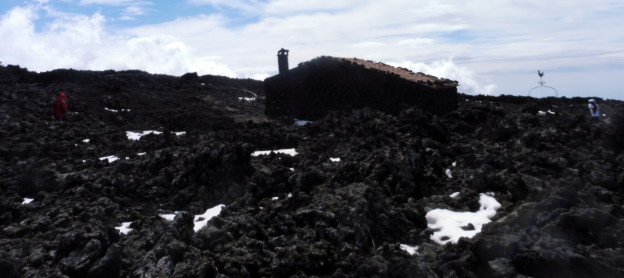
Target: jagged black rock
(559, 178)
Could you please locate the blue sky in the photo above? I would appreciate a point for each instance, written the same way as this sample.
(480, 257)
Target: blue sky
(490, 47)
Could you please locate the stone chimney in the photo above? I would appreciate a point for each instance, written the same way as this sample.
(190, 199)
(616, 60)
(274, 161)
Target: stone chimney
(282, 60)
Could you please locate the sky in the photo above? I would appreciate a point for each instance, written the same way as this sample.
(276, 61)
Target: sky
(491, 47)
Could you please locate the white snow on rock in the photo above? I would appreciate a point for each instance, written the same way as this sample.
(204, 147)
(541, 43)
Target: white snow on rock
(454, 195)
(200, 220)
(301, 122)
(124, 228)
(409, 249)
(449, 226)
(337, 159)
(110, 158)
(448, 173)
(247, 99)
(27, 201)
(115, 110)
(86, 140)
(140, 154)
(169, 217)
(136, 135)
(275, 198)
(290, 152)
(542, 113)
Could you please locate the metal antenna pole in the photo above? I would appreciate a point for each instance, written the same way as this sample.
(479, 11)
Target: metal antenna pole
(542, 84)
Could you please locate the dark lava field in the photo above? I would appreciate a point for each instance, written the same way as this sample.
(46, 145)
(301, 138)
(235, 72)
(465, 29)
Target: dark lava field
(81, 197)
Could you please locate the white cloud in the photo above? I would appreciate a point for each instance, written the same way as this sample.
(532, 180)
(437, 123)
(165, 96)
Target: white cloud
(243, 5)
(416, 42)
(108, 2)
(134, 11)
(81, 42)
(468, 81)
(368, 45)
(132, 8)
(491, 42)
(295, 6)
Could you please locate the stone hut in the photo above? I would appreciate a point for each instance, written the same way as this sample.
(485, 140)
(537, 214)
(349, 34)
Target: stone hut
(324, 84)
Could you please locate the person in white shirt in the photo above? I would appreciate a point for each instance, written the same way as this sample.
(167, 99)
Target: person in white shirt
(594, 109)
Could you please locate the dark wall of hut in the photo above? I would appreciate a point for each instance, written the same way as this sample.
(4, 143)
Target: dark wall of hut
(326, 84)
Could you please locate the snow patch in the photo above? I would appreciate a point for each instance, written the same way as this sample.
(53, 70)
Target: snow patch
(136, 135)
(247, 99)
(124, 228)
(301, 122)
(290, 152)
(169, 217)
(110, 158)
(337, 159)
(542, 113)
(448, 173)
(454, 195)
(115, 110)
(409, 249)
(86, 141)
(27, 201)
(202, 219)
(449, 226)
(141, 154)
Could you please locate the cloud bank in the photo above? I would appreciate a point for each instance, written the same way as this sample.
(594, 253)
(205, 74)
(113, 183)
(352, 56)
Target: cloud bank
(448, 69)
(82, 42)
(489, 48)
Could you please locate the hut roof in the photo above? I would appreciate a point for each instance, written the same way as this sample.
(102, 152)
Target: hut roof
(404, 73)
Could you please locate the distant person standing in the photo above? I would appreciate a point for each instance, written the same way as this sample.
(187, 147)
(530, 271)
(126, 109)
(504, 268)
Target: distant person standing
(59, 107)
(594, 109)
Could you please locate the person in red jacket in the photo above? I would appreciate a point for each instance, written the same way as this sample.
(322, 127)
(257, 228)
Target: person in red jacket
(59, 107)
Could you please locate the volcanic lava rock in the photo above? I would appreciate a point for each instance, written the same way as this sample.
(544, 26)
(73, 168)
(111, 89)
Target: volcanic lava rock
(351, 202)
